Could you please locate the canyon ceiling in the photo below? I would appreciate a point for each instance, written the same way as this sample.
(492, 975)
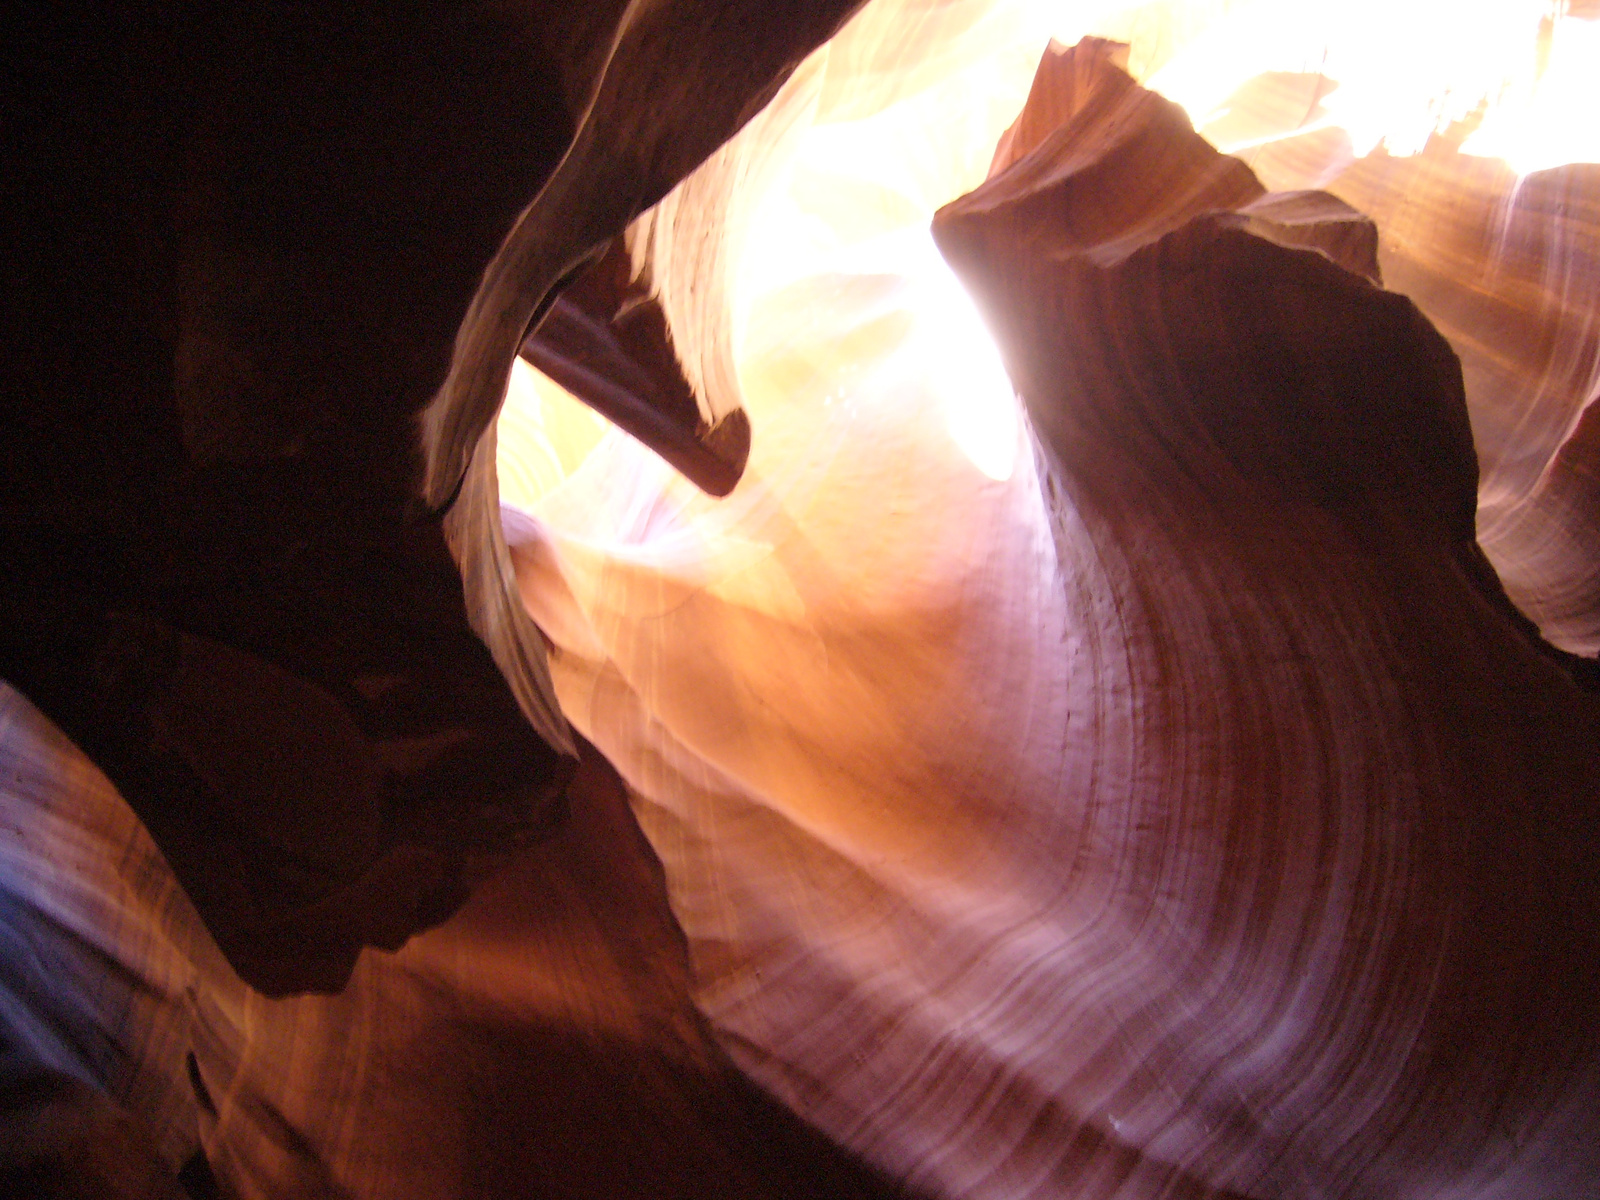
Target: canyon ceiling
(961, 599)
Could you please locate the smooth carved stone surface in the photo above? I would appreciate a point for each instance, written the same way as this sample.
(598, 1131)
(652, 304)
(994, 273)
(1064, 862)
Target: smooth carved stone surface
(676, 80)
(1545, 548)
(1042, 239)
(1316, 221)
(542, 1041)
(1259, 448)
(1123, 165)
(1189, 814)
(1092, 74)
(1507, 268)
(1282, 121)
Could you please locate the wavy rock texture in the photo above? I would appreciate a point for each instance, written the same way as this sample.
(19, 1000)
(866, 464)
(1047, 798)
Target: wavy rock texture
(1189, 815)
(1508, 269)
(1545, 546)
(1184, 813)
(542, 1042)
(92, 981)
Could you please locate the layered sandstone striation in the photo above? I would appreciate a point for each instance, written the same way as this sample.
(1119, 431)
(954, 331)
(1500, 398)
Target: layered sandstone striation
(1167, 801)
(1191, 813)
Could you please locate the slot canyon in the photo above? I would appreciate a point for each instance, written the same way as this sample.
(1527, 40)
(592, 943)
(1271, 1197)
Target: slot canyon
(944, 599)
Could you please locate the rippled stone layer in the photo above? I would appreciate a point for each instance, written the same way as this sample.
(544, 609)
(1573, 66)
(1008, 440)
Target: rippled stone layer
(542, 1038)
(1186, 813)
(1189, 815)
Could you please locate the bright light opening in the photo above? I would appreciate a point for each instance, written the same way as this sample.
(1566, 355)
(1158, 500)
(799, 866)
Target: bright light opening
(1510, 79)
(962, 366)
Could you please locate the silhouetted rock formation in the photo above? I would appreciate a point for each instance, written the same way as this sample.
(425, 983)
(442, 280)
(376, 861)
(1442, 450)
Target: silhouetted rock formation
(605, 340)
(1263, 487)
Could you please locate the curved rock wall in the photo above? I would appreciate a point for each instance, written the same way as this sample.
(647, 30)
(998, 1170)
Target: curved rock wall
(1172, 805)
(1230, 837)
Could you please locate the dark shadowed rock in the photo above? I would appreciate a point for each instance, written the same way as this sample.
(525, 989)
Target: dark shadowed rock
(241, 246)
(605, 340)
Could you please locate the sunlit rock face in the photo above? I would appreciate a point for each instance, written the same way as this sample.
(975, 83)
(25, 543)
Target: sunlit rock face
(1260, 470)
(1187, 811)
(1446, 129)
(1548, 560)
(1507, 267)
(1144, 788)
